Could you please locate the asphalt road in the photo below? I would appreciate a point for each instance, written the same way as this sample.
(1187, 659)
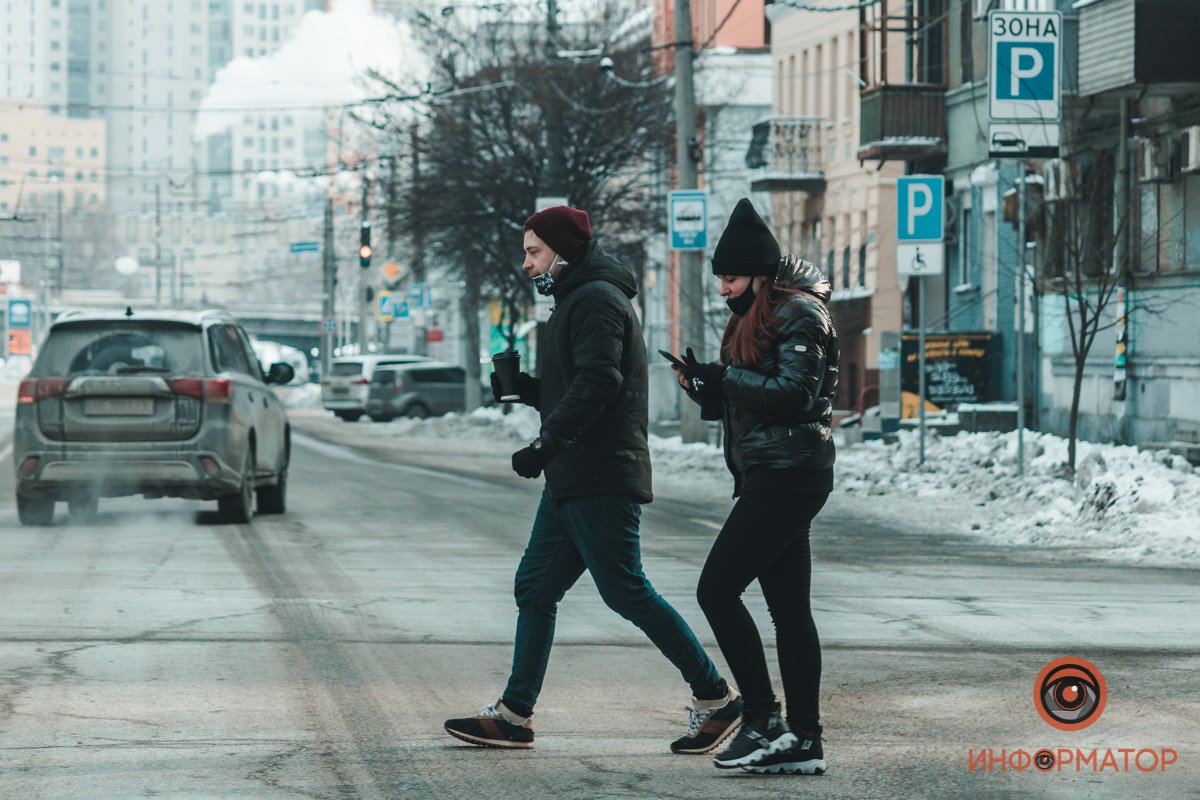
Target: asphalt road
(158, 654)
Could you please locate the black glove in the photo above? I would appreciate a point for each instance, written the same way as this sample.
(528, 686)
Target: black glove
(705, 378)
(529, 462)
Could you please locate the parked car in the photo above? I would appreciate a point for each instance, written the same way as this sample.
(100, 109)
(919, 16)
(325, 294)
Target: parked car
(157, 404)
(344, 389)
(416, 390)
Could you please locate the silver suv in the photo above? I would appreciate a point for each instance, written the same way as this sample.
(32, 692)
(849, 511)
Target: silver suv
(157, 404)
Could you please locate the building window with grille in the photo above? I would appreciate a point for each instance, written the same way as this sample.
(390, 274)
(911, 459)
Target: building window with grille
(964, 248)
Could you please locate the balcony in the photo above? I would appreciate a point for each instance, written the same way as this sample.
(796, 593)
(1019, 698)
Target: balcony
(787, 155)
(902, 122)
(1135, 47)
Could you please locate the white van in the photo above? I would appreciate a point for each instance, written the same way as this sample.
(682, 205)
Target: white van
(344, 389)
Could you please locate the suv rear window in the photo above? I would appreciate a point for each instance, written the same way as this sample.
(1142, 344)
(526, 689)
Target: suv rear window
(117, 348)
(346, 368)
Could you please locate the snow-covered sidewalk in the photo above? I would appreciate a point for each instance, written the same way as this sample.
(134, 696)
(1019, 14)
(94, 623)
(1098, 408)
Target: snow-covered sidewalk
(1123, 504)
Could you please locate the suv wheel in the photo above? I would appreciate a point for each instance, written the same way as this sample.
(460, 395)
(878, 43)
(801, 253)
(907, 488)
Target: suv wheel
(417, 411)
(273, 499)
(35, 510)
(349, 416)
(238, 508)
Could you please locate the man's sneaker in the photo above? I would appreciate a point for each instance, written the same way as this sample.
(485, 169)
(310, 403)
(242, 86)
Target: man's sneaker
(806, 757)
(763, 733)
(493, 726)
(709, 726)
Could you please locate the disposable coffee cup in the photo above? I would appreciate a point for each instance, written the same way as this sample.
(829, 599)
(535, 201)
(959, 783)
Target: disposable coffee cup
(507, 366)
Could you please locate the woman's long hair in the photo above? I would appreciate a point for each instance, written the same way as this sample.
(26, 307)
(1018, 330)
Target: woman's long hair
(747, 339)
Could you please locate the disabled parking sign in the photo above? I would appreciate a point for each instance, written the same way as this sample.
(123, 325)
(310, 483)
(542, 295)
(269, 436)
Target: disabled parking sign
(920, 224)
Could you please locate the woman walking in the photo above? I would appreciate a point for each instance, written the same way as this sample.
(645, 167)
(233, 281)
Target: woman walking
(773, 388)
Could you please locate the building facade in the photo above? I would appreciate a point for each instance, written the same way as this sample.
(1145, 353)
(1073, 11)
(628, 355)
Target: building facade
(827, 204)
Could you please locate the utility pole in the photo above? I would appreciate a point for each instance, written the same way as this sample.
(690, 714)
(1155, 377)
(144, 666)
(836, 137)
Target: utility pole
(417, 267)
(62, 269)
(158, 245)
(365, 311)
(328, 285)
(1021, 320)
(691, 263)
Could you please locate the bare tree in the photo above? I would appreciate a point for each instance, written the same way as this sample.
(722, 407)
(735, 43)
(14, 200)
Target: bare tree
(487, 151)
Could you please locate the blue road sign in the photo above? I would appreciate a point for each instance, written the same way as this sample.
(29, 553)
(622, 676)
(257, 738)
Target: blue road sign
(1025, 71)
(20, 314)
(419, 296)
(688, 212)
(919, 203)
(306, 247)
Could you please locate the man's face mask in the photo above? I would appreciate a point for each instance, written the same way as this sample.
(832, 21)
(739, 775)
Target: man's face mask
(740, 305)
(544, 284)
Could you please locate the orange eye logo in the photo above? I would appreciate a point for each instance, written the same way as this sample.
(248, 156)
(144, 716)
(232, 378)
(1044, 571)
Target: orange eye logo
(1070, 694)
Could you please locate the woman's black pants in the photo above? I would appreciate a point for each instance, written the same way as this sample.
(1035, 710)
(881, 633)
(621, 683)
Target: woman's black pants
(766, 539)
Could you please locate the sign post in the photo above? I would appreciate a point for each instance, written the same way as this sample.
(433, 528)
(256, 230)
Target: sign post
(1024, 110)
(920, 252)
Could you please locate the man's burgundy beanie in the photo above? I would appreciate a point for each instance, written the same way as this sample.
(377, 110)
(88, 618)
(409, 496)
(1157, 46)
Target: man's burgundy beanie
(567, 230)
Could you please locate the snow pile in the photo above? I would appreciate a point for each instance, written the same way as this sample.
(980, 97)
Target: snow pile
(306, 395)
(482, 424)
(1121, 504)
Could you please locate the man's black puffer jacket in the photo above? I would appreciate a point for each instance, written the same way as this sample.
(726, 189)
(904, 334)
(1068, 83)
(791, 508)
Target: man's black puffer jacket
(778, 413)
(594, 383)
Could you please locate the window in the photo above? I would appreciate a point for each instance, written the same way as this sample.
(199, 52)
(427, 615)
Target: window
(846, 267)
(862, 264)
(33, 151)
(830, 269)
(227, 352)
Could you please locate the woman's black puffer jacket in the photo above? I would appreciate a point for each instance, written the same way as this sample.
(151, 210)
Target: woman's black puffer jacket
(778, 413)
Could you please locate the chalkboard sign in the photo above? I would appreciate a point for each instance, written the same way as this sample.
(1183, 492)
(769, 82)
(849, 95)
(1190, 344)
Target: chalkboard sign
(958, 367)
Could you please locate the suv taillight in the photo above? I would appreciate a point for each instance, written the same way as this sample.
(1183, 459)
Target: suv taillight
(210, 390)
(39, 389)
(363, 381)
(399, 386)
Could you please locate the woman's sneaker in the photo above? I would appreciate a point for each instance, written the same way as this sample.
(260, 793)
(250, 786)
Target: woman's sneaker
(806, 757)
(493, 726)
(710, 723)
(763, 733)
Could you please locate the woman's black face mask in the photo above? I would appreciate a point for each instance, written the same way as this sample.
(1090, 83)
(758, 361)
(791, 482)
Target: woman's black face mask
(740, 305)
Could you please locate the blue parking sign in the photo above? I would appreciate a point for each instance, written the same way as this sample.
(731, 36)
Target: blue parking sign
(1025, 68)
(919, 203)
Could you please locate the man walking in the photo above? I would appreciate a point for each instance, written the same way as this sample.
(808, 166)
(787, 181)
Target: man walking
(593, 402)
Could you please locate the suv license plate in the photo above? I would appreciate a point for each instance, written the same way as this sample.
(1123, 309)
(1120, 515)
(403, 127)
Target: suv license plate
(119, 406)
(341, 390)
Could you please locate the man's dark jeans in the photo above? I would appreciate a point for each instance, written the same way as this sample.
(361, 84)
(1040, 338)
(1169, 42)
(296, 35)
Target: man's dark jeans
(599, 534)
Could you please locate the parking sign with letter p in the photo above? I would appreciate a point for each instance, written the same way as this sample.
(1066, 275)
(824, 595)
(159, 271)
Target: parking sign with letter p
(1026, 65)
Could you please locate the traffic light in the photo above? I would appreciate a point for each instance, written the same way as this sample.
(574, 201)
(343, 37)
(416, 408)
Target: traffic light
(364, 247)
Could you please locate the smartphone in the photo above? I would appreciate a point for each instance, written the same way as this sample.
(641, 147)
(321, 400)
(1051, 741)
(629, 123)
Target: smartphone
(671, 358)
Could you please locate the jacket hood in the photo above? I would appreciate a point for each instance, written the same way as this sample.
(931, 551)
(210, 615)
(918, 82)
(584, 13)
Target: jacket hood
(597, 265)
(796, 273)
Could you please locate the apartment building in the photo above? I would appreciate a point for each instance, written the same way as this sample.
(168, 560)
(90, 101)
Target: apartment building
(828, 205)
(49, 163)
